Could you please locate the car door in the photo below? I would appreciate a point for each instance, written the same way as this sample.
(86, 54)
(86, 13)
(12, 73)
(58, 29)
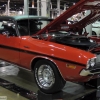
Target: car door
(9, 43)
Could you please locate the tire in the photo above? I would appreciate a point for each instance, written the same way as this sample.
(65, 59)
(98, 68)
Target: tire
(48, 77)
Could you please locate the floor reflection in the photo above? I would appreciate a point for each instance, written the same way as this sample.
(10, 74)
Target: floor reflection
(8, 69)
(55, 96)
(21, 81)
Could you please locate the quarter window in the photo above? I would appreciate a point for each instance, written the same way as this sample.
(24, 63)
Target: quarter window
(7, 28)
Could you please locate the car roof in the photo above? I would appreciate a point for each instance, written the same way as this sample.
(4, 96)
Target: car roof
(22, 17)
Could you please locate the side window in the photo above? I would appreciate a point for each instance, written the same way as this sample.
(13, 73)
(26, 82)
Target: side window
(23, 27)
(34, 27)
(28, 27)
(8, 28)
(1, 27)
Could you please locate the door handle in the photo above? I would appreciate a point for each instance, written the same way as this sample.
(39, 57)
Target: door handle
(26, 47)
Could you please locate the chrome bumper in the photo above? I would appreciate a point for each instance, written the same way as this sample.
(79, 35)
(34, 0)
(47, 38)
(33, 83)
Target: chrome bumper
(86, 72)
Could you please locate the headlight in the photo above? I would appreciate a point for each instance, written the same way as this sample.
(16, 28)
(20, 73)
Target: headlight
(91, 63)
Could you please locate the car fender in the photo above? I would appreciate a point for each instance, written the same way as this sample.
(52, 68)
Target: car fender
(47, 58)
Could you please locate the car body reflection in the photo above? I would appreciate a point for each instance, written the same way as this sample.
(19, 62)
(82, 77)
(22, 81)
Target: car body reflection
(8, 69)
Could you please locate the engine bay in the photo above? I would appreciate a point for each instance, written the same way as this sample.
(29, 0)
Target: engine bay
(69, 39)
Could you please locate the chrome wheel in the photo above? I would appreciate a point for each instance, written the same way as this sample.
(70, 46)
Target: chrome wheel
(45, 76)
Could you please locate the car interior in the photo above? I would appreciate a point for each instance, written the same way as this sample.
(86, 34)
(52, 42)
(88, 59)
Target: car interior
(27, 27)
(7, 28)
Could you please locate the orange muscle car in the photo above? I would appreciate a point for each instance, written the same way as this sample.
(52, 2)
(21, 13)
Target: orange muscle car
(49, 49)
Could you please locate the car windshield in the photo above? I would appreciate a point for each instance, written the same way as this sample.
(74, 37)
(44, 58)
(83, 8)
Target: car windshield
(31, 26)
(61, 33)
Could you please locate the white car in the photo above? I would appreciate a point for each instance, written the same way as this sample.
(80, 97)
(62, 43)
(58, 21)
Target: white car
(96, 28)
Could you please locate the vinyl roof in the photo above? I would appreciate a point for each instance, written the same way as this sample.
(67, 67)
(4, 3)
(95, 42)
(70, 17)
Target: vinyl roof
(22, 17)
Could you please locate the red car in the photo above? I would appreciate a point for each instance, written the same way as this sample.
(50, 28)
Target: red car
(49, 49)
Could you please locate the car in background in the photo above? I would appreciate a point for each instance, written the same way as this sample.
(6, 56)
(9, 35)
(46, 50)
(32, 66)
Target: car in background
(96, 28)
(50, 49)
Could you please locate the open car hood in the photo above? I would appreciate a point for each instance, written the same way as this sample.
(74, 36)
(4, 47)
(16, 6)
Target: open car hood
(93, 5)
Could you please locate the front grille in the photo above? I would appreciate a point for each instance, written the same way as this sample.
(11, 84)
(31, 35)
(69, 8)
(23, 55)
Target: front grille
(98, 59)
(95, 70)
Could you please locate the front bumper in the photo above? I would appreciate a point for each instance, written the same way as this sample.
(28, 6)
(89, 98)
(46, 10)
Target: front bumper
(91, 71)
(86, 72)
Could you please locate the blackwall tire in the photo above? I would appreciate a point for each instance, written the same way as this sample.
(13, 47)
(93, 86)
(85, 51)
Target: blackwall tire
(48, 77)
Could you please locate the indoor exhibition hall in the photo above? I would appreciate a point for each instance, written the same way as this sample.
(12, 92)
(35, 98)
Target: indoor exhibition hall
(49, 49)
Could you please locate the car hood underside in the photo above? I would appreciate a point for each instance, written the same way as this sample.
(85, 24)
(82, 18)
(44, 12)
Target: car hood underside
(80, 42)
(76, 41)
(82, 5)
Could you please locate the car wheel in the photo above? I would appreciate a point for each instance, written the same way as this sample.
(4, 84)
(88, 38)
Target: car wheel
(48, 77)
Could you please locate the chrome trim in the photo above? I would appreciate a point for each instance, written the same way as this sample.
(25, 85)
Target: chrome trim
(90, 78)
(35, 58)
(87, 72)
(23, 68)
(45, 76)
(47, 59)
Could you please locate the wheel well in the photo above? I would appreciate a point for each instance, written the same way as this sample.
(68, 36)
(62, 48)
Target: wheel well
(37, 59)
(34, 62)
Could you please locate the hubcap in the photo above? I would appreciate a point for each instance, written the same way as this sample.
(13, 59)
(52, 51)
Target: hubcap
(45, 76)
